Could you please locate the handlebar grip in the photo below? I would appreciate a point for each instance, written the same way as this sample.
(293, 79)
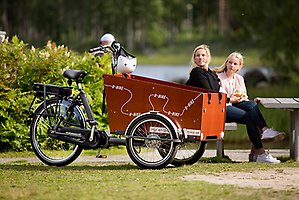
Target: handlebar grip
(99, 48)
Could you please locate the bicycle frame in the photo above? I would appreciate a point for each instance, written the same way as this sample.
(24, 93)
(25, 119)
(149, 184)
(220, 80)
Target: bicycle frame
(90, 117)
(96, 138)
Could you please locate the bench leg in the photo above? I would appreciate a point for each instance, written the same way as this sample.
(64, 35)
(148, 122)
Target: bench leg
(294, 136)
(220, 148)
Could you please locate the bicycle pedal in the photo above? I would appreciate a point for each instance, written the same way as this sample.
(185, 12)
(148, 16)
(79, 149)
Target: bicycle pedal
(101, 156)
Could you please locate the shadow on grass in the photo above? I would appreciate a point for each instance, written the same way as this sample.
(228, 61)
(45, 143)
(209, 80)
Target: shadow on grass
(216, 159)
(227, 159)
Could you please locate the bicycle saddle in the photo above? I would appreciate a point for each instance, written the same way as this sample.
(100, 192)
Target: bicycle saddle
(76, 75)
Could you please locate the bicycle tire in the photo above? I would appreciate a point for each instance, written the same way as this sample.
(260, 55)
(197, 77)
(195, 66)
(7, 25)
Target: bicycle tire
(189, 153)
(143, 142)
(49, 150)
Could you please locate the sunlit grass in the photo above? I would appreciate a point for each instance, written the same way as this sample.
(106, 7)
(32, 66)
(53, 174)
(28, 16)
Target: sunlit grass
(127, 181)
(14, 154)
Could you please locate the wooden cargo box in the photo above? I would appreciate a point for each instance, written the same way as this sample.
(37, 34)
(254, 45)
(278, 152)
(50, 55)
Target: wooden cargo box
(193, 110)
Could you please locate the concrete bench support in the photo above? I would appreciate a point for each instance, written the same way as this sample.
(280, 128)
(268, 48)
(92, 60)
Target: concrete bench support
(220, 143)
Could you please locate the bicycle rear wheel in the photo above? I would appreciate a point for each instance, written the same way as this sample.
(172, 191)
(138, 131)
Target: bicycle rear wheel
(189, 153)
(49, 150)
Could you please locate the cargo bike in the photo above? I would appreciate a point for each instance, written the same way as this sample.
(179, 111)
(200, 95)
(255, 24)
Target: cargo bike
(159, 122)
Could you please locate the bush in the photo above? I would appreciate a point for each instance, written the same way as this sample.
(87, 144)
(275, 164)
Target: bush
(22, 65)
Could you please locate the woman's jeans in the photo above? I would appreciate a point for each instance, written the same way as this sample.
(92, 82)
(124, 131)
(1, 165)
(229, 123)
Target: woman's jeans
(248, 113)
(253, 110)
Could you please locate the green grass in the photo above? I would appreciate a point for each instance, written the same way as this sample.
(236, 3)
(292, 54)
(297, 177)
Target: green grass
(182, 56)
(127, 181)
(121, 150)
(184, 59)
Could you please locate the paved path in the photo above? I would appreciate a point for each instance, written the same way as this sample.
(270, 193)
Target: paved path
(235, 155)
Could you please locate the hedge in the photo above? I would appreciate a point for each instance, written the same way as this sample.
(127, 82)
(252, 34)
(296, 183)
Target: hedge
(22, 65)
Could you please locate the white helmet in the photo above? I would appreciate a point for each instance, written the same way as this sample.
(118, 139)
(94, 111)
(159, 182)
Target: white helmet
(126, 64)
(107, 39)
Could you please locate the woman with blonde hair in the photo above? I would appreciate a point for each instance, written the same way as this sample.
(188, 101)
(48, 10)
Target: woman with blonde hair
(199, 69)
(223, 67)
(234, 85)
(202, 76)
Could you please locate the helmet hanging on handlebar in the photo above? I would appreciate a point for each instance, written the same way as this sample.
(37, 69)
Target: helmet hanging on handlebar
(126, 64)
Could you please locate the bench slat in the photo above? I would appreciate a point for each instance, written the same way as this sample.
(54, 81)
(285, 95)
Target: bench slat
(269, 102)
(280, 102)
(286, 101)
(231, 126)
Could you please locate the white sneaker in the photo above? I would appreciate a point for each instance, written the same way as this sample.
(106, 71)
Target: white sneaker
(266, 158)
(270, 133)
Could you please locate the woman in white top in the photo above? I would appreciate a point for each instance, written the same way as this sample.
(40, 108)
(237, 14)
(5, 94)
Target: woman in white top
(234, 86)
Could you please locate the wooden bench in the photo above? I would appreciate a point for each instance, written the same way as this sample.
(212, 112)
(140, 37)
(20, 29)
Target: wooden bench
(292, 105)
(220, 143)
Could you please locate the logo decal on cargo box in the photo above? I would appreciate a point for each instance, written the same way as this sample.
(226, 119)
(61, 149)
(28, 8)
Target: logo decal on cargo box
(157, 96)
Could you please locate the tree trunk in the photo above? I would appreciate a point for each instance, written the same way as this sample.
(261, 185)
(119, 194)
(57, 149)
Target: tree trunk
(222, 16)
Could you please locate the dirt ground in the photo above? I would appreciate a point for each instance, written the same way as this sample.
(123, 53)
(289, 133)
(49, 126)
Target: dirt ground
(277, 179)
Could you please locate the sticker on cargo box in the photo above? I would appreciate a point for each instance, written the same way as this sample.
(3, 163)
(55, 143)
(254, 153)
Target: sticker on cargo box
(158, 130)
(192, 132)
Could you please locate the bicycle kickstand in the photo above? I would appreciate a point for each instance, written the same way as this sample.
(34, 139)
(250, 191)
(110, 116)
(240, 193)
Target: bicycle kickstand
(99, 154)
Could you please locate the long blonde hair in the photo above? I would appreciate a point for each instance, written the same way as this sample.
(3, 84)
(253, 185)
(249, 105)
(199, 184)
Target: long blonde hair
(223, 67)
(192, 61)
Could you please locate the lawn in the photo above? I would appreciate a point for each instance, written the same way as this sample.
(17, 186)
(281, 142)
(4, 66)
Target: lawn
(22, 180)
(181, 55)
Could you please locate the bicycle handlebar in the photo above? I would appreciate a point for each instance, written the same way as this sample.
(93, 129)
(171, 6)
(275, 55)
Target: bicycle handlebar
(99, 48)
(115, 47)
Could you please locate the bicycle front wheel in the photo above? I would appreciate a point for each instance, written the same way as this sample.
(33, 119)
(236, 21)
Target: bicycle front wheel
(49, 150)
(146, 137)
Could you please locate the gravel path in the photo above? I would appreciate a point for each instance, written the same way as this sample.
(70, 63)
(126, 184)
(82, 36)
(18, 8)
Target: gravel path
(235, 155)
(273, 178)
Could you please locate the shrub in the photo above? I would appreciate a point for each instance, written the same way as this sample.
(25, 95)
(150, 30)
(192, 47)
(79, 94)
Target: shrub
(22, 65)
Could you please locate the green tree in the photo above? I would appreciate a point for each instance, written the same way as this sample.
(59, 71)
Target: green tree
(274, 27)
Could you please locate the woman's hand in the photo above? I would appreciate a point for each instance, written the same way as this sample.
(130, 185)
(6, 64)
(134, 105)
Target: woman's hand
(244, 97)
(235, 99)
(257, 99)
